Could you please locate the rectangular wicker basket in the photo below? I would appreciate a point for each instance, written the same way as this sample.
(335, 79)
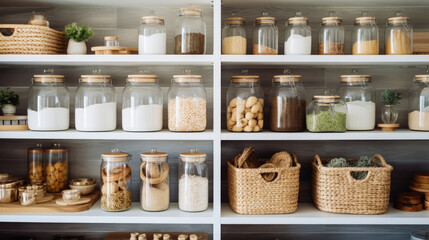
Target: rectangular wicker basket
(335, 190)
(250, 193)
(31, 39)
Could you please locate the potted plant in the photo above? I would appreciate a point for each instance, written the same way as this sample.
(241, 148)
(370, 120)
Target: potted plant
(77, 36)
(389, 114)
(8, 101)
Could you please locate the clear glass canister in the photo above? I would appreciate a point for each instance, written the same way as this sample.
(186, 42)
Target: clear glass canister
(359, 95)
(152, 36)
(142, 104)
(36, 164)
(56, 170)
(190, 32)
(331, 36)
(297, 36)
(265, 36)
(187, 104)
(418, 116)
(326, 113)
(399, 36)
(234, 39)
(111, 41)
(95, 106)
(48, 103)
(154, 175)
(287, 104)
(245, 104)
(115, 181)
(193, 182)
(365, 36)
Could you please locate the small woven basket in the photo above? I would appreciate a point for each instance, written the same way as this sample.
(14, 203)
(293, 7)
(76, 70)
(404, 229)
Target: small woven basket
(250, 193)
(335, 190)
(31, 39)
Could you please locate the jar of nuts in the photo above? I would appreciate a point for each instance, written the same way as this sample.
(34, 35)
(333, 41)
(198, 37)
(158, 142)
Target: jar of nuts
(245, 104)
(36, 166)
(56, 168)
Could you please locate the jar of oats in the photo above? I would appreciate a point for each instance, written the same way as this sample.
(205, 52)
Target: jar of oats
(56, 168)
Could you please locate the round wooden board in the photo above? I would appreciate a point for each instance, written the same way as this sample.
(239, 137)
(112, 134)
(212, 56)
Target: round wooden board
(78, 202)
(419, 185)
(421, 178)
(388, 127)
(409, 197)
(422, 190)
(409, 207)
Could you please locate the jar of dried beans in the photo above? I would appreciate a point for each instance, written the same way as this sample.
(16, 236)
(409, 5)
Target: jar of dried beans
(36, 164)
(399, 36)
(190, 32)
(326, 113)
(265, 36)
(331, 36)
(365, 37)
(234, 36)
(56, 168)
(418, 116)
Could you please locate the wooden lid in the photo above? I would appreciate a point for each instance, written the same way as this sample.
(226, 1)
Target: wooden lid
(297, 20)
(154, 156)
(422, 77)
(266, 20)
(355, 78)
(398, 19)
(35, 150)
(55, 150)
(366, 19)
(190, 11)
(142, 78)
(326, 98)
(193, 157)
(48, 78)
(245, 78)
(115, 156)
(95, 78)
(186, 78)
(111, 38)
(235, 20)
(331, 20)
(287, 78)
(152, 19)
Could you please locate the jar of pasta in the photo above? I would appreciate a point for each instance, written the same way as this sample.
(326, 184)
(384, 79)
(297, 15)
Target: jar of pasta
(331, 36)
(36, 164)
(365, 36)
(265, 36)
(56, 168)
(326, 113)
(234, 36)
(399, 36)
(418, 115)
(190, 32)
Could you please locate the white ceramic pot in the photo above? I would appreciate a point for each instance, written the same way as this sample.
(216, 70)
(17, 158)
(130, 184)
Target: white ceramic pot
(76, 47)
(9, 110)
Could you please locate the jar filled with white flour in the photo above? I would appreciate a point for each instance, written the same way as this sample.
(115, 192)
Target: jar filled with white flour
(142, 104)
(48, 103)
(297, 36)
(152, 36)
(95, 105)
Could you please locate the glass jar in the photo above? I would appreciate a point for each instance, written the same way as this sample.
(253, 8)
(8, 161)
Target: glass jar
(36, 164)
(115, 181)
(365, 36)
(193, 182)
(38, 19)
(399, 36)
(111, 41)
(297, 36)
(326, 113)
(245, 104)
(234, 40)
(265, 36)
(56, 170)
(331, 36)
(287, 104)
(418, 116)
(187, 105)
(154, 188)
(190, 32)
(95, 107)
(152, 36)
(142, 104)
(358, 94)
(48, 103)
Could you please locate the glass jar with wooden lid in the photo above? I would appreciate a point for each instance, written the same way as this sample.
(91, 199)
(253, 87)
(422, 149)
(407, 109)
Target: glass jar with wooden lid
(331, 35)
(297, 36)
(234, 39)
(111, 41)
(56, 168)
(152, 36)
(265, 35)
(399, 36)
(418, 113)
(190, 32)
(365, 37)
(326, 113)
(36, 164)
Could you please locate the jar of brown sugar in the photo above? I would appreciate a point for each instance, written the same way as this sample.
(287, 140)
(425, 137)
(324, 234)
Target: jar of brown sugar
(365, 36)
(265, 36)
(331, 36)
(234, 36)
(399, 36)
(190, 32)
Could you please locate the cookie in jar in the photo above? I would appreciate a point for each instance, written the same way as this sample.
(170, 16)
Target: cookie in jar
(56, 168)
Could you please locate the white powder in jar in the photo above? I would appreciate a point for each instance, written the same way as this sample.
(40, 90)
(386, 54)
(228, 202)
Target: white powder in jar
(153, 44)
(193, 193)
(187, 114)
(142, 118)
(48, 119)
(360, 115)
(155, 197)
(298, 45)
(96, 117)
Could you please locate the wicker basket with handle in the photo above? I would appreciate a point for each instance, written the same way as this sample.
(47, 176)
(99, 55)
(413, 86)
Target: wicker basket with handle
(335, 190)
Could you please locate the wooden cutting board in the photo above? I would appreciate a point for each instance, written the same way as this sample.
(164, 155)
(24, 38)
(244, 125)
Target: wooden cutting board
(174, 235)
(48, 207)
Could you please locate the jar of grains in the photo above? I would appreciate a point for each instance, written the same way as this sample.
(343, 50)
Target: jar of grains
(418, 116)
(265, 36)
(154, 188)
(95, 107)
(56, 168)
(365, 36)
(326, 113)
(190, 32)
(193, 182)
(152, 36)
(287, 104)
(187, 105)
(297, 36)
(142, 104)
(48, 103)
(36, 164)
(234, 36)
(399, 36)
(331, 36)
(245, 104)
(115, 181)
(357, 92)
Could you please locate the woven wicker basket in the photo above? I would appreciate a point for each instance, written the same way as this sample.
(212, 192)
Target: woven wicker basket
(335, 190)
(31, 39)
(250, 193)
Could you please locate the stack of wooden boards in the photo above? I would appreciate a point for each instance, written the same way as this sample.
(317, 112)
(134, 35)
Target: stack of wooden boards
(418, 199)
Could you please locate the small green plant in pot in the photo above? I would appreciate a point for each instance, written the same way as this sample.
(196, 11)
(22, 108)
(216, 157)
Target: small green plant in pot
(8, 101)
(389, 114)
(77, 36)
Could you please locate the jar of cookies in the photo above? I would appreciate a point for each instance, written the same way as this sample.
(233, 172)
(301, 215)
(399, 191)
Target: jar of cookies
(115, 181)
(245, 104)
(56, 168)
(36, 165)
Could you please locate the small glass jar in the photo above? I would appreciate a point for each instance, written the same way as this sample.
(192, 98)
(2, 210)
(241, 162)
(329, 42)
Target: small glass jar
(152, 36)
(36, 164)
(38, 19)
(190, 32)
(265, 36)
(154, 175)
(418, 116)
(297, 36)
(245, 104)
(115, 181)
(287, 104)
(234, 41)
(365, 36)
(193, 182)
(187, 104)
(331, 36)
(56, 168)
(142, 104)
(111, 41)
(326, 113)
(359, 95)
(95, 106)
(48, 103)
(399, 36)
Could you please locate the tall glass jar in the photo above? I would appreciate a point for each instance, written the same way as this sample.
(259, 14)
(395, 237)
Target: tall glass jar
(287, 104)
(187, 104)
(193, 182)
(359, 95)
(152, 36)
(56, 168)
(115, 181)
(142, 104)
(418, 116)
(36, 165)
(297, 36)
(190, 32)
(326, 113)
(399, 36)
(154, 175)
(48, 103)
(234, 39)
(95, 106)
(245, 104)
(265, 36)
(365, 36)
(331, 36)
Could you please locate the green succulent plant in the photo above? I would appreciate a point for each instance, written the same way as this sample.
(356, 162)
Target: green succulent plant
(390, 98)
(80, 33)
(8, 96)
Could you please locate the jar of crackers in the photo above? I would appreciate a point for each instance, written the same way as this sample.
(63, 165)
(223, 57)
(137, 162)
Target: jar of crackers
(56, 168)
